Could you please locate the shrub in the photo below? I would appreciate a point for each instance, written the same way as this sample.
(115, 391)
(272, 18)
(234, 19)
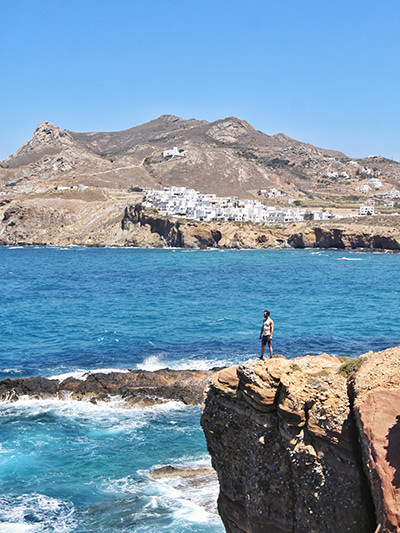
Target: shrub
(276, 162)
(247, 153)
(350, 365)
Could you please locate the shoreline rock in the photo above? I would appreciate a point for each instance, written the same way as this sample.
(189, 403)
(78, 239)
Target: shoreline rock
(306, 444)
(300, 446)
(135, 387)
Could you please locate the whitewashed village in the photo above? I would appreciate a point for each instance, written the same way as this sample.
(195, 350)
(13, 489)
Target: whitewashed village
(189, 203)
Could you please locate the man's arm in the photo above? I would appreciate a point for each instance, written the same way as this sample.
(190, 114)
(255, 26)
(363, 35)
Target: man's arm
(262, 329)
(272, 328)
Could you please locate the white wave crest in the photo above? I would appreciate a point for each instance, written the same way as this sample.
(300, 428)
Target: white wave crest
(11, 370)
(83, 374)
(151, 363)
(348, 259)
(156, 362)
(115, 409)
(35, 513)
(190, 500)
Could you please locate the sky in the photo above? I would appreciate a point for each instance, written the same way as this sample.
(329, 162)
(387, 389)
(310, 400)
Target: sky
(324, 72)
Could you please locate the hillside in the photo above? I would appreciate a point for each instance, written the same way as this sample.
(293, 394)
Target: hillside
(65, 187)
(226, 157)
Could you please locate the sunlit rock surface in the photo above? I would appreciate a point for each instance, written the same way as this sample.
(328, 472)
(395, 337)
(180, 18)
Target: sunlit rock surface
(292, 452)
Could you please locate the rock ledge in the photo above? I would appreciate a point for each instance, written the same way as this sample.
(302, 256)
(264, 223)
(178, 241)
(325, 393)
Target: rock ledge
(300, 447)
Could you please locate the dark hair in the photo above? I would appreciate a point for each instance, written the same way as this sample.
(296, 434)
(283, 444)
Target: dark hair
(266, 311)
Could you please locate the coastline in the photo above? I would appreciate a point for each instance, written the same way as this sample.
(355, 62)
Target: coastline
(315, 430)
(111, 224)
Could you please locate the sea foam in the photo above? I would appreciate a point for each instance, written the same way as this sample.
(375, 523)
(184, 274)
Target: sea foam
(35, 513)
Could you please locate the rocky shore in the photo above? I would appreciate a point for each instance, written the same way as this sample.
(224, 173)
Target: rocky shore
(310, 444)
(85, 221)
(134, 387)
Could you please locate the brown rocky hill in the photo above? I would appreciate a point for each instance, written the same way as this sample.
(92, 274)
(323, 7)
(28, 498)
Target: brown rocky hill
(226, 157)
(63, 187)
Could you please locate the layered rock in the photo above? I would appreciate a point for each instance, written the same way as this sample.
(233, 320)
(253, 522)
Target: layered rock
(89, 217)
(285, 444)
(135, 386)
(142, 228)
(377, 410)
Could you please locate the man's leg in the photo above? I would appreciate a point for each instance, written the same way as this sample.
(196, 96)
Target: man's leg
(270, 348)
(262, 349)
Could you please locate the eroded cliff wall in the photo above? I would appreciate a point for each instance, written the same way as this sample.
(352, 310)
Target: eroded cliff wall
(294, 453)
(88, 218)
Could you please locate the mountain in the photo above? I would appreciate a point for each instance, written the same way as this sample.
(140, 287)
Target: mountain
(225, 157)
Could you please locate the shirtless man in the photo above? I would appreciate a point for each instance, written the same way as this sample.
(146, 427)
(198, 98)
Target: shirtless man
(266, 333)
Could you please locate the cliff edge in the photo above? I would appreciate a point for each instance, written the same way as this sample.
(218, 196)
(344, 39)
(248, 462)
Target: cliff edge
(310, 444)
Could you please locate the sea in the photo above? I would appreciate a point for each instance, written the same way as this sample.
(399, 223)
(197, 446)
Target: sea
(76, 466)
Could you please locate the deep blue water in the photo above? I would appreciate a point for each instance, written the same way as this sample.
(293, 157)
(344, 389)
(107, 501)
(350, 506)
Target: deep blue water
(69, 466)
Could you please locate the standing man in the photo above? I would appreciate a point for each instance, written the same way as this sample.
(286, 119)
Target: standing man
(266, 333)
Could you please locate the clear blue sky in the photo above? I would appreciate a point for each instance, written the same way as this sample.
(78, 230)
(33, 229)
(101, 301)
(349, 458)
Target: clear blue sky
(324, 72)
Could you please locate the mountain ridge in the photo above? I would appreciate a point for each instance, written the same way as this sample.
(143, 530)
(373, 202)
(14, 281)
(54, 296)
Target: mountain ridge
(229, 130)
(227, 157)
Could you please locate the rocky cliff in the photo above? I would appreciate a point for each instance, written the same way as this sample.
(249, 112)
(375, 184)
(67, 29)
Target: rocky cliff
(90, 218)
(372, 233)
(308, 444)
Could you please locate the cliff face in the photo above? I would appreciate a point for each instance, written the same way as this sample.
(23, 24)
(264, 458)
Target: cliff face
(377, 412)
(89, 217)
(284, 437)
(368, 233)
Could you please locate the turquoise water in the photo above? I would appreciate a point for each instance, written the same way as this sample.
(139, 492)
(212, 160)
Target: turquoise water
(73, 466)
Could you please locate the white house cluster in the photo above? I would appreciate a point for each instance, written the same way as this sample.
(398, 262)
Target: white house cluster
(180, 201)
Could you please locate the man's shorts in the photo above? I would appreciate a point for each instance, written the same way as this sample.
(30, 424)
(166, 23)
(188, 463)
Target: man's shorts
(266, 339)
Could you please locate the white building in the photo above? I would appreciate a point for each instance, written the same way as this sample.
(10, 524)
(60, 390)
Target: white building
(367, 209)
(364, 189)
(173, 153)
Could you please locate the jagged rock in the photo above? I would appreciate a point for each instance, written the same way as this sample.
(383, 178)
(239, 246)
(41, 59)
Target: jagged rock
(283, 441)
(173, 471)
(167, 230)
(136, 386)
(46, 140)
(185, 385)
(38, 387)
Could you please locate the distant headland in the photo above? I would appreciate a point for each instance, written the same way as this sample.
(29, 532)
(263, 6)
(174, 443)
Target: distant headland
(63, 187)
